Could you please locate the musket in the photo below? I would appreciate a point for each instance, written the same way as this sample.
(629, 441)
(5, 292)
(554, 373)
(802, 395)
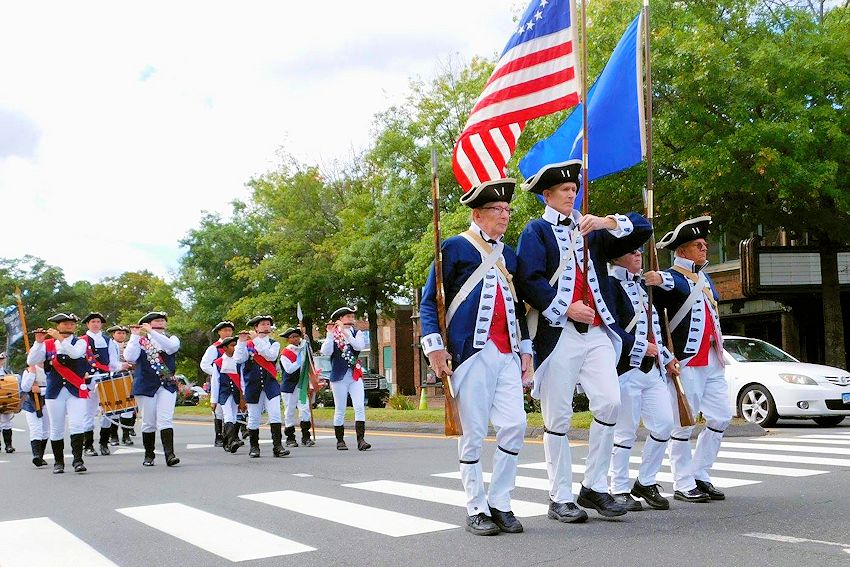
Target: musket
(686, 418)
(452, 418)
(36, 400)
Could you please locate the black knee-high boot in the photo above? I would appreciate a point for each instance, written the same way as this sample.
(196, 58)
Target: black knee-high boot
(88, 444)
(306, 440)
(277, 437)
(254, 440)
(126, 430)
(77, 441)
(290, 436)
(7, 439)
(360, 429)
(104, 440)
(167, 437)
(58, 456)
(149, 441)
(37, 453)
(219, 428)
(339, 431)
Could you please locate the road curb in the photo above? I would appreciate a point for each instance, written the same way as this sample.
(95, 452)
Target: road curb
(734, 430)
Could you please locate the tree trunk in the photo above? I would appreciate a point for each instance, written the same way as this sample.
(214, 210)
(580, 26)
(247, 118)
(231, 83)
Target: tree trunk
(308, 328)
(833, 320)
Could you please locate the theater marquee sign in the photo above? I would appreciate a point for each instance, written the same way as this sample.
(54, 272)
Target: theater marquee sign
(783, 269)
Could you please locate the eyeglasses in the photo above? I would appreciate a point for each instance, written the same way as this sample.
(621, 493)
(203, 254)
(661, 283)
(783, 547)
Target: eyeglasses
(499, 210)
(699, 245)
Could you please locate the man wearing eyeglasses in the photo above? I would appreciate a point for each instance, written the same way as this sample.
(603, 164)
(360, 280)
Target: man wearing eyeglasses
(689, 296)
(575, 340)
(489, 348)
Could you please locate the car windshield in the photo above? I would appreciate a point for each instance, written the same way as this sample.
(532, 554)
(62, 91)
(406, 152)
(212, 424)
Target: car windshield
(753, 350)
(323, 363)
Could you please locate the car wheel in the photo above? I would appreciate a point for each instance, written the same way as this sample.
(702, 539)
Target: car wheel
(756, 405)
(828, 420)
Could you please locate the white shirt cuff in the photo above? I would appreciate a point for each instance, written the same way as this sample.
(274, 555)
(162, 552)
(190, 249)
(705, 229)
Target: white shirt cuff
(431, 343)
(667, 282)
(526, 346)
(624, 226)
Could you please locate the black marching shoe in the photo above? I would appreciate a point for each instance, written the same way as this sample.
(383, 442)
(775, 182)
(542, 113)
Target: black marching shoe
(88, 444)
(278, 450)
(104, 440)
(127, 431)
(506, 521)
(360, 429)
(481, 524)
(709, 489)
(244, 429)
(306, 440)
(219, 428)
(254, 441)
(692, 495)
(149, 441)
(38, 453)
(167, 438)
(7, 439)
(651, 496)
(290, 436)
(58, 448)
(77, 441)
(625, 500)
(566, 512)
(113, 435)
(339, 431)
(602, 502)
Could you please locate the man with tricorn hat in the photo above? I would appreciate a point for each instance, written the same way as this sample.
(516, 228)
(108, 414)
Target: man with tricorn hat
(154, 354)
(226, 391)
(103, 359)
(224, 330)
(690, 299)
(292, 359)
(576, 339)
(262, 388)
(343, 344)
(127, 419)
(489, 350)
(64, 358)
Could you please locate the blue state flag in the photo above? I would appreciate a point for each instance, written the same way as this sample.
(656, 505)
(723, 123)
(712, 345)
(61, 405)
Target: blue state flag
(614, 116)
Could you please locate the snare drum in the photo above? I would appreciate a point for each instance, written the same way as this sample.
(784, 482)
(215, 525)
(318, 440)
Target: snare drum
(10, 396)
(116, 393)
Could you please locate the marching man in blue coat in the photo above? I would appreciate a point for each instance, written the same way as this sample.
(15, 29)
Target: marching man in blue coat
(260, 374)
(576, 339)
(226, 391)
(154, 354)
(643, 384)
(489, 349)
(292, 359)
(343, 344)
(64, 358)
(224, 330)
(33, 382)
(690, 299)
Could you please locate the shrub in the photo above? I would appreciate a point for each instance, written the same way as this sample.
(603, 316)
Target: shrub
(400, 402)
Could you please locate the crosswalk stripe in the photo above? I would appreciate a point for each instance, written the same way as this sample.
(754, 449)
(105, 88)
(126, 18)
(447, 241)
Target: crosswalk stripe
(803, 440)
(531, 482)
(520, 508)
(199, 445)
(369, 518)
(830, 436)
(789, 448)
(777, 458)
(38, 542)
(720, 481)
(206, 531)
(751, 469)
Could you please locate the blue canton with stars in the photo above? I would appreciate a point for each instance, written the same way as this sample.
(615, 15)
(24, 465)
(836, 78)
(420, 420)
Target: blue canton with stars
(542, 17)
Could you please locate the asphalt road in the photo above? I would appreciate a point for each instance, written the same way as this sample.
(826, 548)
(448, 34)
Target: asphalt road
(786, 505)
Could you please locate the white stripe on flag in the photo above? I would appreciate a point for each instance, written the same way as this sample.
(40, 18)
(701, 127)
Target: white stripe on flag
(41, 541)
(521, 508)
(536, 98)
(220, 536)
(536, 44)
(358, 516)
(466, 166)
(526, 74)
(484, 156)
(501, 144)
(789, 448)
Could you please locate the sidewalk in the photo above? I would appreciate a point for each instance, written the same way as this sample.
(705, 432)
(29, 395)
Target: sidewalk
(734, 430)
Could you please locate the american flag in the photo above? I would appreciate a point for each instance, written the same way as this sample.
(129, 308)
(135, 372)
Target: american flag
(535, 76)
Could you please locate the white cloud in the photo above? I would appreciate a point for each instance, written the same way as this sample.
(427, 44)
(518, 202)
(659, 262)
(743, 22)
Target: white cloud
(146, 114)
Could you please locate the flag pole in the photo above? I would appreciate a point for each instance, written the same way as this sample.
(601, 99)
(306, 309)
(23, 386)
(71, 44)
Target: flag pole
(36, 401)
(585, 178)
(686, 418)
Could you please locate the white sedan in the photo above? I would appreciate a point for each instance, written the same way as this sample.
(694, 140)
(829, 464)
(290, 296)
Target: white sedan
(766, 383)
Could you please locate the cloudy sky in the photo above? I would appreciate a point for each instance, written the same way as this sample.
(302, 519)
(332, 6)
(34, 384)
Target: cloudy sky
(120, 122)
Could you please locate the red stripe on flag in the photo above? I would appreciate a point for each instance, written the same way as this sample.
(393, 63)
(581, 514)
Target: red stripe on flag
(527, 88)
(531, 59)
(555, 105)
